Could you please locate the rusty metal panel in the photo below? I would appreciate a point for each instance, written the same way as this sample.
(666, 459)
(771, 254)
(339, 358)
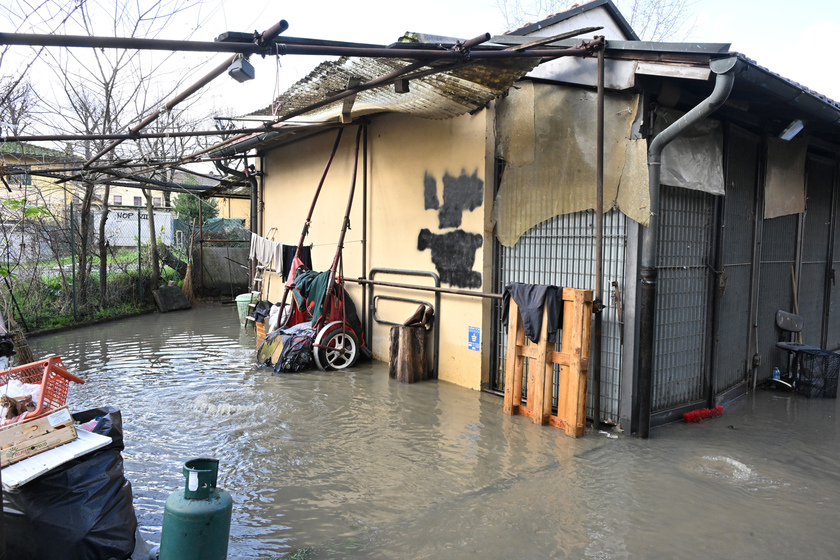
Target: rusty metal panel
(731, 352)
(684, 249)
(561, 251)
(778, 255)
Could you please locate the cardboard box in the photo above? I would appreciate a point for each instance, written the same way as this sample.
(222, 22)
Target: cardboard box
(31, 437)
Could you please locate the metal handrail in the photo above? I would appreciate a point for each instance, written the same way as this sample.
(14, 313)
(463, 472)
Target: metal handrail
(398, 272)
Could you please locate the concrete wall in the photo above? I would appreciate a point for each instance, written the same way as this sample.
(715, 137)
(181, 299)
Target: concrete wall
(427, 206)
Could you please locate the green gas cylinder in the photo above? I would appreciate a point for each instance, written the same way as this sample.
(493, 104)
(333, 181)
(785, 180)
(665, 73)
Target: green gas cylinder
(196, 522)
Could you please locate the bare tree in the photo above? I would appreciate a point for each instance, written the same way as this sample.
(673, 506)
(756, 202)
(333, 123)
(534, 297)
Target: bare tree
(652, 20)
(17, 103)
(104, 92)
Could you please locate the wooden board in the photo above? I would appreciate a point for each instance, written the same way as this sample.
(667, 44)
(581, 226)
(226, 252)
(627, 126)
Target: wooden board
(31, 468)
(573, 361)
(31, 437)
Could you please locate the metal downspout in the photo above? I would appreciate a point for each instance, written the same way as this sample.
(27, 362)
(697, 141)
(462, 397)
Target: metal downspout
(598, 303)
(724, 68)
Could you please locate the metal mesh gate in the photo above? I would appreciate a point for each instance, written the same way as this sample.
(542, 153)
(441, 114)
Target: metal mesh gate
(679, 365)
(734, 279)
(778, 256)
(561, 251)
(815, 238)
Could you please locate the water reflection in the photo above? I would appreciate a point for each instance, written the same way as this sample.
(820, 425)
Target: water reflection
(356, 465)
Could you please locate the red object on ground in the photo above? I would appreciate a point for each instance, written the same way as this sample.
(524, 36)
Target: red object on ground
(703, 413)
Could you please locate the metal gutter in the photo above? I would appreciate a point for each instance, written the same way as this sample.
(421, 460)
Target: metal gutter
(725, 70)
(620, 46)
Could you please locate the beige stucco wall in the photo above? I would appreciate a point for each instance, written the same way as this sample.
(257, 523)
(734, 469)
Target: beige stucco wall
(235, 208)
(40, 191)
(405, 154)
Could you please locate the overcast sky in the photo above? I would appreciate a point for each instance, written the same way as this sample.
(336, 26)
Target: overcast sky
(786, 37)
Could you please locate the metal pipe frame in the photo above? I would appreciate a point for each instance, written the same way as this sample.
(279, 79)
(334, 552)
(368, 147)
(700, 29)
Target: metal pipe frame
(130, 136)
(371, 283)
(267, 35)
(278, 47)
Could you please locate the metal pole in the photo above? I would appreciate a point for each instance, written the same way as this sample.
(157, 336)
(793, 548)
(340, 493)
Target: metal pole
(244, 48)
(129, 136)
(139, 260)
(219, 70)
(452, 291)
(308, 221)
(73, 256)
(598, 300)
(346, 224)
(200, 243)
(364, 217)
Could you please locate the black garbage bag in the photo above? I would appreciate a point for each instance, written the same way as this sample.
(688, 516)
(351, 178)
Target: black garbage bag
(82, 510)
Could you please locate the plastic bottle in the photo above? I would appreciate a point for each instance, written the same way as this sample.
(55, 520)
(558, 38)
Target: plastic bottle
(776, 373)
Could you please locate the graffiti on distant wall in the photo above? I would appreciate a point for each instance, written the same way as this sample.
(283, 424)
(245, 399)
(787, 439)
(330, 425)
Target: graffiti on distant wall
(453, 252)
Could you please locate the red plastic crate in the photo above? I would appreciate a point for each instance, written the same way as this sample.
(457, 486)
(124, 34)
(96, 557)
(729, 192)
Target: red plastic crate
(54, 380)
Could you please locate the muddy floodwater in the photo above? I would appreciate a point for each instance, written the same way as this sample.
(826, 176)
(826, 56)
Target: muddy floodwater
(354, 465)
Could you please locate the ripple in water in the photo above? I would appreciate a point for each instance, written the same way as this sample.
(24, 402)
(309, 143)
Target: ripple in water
(726, 468)
(219, 403)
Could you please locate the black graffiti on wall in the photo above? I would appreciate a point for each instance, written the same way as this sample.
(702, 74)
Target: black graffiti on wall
(453, 254)
(460, 194)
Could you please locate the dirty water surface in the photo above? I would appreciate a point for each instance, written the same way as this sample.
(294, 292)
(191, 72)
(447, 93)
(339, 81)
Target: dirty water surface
(354, 465)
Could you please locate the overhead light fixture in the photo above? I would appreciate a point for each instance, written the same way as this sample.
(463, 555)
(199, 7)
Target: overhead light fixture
(241, 70)
(792, 130)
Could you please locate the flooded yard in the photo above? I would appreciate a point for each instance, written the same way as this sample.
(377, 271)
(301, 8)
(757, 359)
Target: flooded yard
(354, 465)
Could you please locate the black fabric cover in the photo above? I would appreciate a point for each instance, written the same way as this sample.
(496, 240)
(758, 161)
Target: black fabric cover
(81, 510)
(262, 309)
(530, 298)
(297, 348)
(289, 256)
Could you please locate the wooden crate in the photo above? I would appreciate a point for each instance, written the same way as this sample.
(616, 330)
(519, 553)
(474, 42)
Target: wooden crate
(30, 437)
(574, 366)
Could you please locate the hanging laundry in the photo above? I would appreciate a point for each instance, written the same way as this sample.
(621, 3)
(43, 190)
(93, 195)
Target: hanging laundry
(288, 260)
(265, 251)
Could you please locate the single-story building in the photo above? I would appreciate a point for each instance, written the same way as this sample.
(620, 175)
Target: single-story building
(486, 174)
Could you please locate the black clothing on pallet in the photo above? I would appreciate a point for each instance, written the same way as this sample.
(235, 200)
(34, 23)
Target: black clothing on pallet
(531, 298)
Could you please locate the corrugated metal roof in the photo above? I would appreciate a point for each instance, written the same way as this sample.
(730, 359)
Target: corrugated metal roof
(438, 96)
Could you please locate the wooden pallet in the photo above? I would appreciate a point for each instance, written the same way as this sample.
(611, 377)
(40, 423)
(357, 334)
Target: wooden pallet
(574, 366)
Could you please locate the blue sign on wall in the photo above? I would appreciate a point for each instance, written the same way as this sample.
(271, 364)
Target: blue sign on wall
(474, 339)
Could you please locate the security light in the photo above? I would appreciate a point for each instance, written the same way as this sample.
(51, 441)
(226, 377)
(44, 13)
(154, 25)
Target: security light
(792, 130)
(241, 70)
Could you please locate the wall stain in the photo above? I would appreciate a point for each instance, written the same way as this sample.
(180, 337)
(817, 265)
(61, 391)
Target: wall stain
(453, 254)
